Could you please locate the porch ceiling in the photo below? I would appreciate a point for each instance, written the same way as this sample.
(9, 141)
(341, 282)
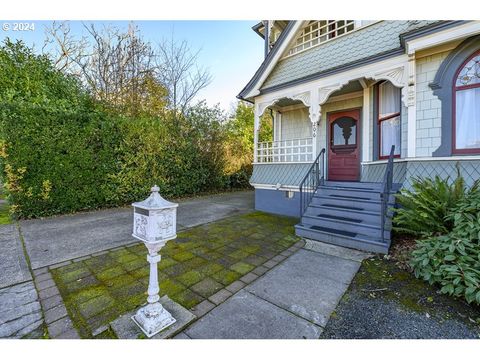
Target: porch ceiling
(286, 102)
(352, 86)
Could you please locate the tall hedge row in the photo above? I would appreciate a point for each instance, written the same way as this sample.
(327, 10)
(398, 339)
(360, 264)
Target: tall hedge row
(61, 152)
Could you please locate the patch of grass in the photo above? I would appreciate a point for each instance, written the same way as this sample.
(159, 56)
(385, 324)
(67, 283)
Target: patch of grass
(5, 217)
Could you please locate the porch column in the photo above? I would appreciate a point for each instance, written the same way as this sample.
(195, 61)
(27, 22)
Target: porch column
(314, 112)
(256, 127)
(277, 126)
(411, 104)
(366, 156)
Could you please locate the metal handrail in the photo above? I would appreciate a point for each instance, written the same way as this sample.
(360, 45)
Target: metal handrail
(311, 181)
(386, 189)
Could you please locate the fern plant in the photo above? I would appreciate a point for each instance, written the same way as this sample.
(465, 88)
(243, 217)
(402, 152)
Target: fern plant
(423, 210)
(453, 260)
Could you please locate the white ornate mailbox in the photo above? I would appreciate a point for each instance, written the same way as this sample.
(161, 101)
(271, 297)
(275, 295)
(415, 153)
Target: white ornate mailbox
(154, 223)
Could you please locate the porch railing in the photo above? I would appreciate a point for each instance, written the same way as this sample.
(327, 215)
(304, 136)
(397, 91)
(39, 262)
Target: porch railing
(311, 181)
(294, 150)
(386, 189)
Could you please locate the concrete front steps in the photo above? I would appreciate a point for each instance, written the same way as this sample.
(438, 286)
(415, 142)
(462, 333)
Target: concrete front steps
(348, 214)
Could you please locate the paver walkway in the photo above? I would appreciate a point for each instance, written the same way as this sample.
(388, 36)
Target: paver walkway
(294, 300)
(57, 239)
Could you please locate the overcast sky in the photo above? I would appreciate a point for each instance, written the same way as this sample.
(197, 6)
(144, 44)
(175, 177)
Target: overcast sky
(231, 50)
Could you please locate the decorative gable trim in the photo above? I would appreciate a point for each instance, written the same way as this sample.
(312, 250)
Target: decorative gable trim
(252, 88)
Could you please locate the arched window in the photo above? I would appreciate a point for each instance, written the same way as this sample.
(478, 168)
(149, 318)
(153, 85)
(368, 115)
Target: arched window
(466, 107)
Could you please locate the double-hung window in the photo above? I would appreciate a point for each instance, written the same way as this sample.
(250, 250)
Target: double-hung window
(388, 111)
(466, 104)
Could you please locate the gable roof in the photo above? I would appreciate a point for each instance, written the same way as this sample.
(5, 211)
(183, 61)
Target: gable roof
(271, 58)
(372, 43)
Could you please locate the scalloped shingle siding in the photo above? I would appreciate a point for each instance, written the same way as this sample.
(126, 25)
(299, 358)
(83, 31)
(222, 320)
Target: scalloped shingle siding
(374, 39)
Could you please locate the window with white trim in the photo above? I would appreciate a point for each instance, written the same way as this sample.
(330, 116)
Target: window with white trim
(467, 107)
(319, 31)
(388, 110)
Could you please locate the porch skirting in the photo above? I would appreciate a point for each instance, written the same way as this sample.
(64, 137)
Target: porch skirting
(406, 169)
(277, 202)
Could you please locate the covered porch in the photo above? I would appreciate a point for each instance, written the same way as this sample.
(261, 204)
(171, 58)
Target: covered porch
(341, 120)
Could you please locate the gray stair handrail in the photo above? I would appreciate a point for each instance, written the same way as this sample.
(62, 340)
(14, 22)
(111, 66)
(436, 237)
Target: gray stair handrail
(311, 181)
(386, 189)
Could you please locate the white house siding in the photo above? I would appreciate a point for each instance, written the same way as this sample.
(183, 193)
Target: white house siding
(296, 124)
(428, 105)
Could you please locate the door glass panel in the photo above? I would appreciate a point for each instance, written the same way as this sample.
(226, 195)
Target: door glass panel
(344, 131)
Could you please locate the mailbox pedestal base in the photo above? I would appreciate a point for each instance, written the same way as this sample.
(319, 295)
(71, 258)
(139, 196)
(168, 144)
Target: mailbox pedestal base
(153, 318)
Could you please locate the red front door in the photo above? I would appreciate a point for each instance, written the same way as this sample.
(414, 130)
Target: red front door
(344, 145)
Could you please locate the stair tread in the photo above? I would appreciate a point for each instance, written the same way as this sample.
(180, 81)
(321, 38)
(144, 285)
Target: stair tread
(337, 232)
(349, 197)
(344, 220)
(341, 207)
(341, 218)
(341, 197)
(353, 189)
(333, 231)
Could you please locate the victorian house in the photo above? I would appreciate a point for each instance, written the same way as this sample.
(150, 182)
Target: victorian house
(360, 108)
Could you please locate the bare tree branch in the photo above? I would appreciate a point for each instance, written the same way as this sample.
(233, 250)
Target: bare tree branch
(179, 72)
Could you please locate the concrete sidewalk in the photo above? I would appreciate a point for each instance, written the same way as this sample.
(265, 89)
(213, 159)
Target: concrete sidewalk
(294, 300)
(57, 239)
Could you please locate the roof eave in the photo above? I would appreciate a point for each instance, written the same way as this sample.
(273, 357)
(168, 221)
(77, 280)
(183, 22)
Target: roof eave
(243, 95)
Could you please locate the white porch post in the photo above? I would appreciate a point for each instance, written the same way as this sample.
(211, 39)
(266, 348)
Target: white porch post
(411, 104)
(366, 156)
(279, 123)
(256, 127)
(314, 112)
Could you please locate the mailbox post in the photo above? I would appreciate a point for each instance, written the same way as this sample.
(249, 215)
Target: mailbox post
(154, 223)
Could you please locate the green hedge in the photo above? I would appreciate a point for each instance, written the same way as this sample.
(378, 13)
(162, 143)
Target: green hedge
(61, 152)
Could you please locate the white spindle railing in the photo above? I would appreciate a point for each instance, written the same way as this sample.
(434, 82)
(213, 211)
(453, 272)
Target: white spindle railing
(285, 151)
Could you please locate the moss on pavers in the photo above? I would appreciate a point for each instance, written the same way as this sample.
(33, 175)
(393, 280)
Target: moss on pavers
(182, 256)
(239, 254)
(189, 278)
(170, 287)
(187, 298)
(81, 284)
(134, 265)
(72, 275)
(207, 287)
(125, 257)
(165, 263)
(242, 268)
(226, 277)
(119, 281)
(110, 273)
(199, 263)
(88, 294)
(210, 268)
(95, 306)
